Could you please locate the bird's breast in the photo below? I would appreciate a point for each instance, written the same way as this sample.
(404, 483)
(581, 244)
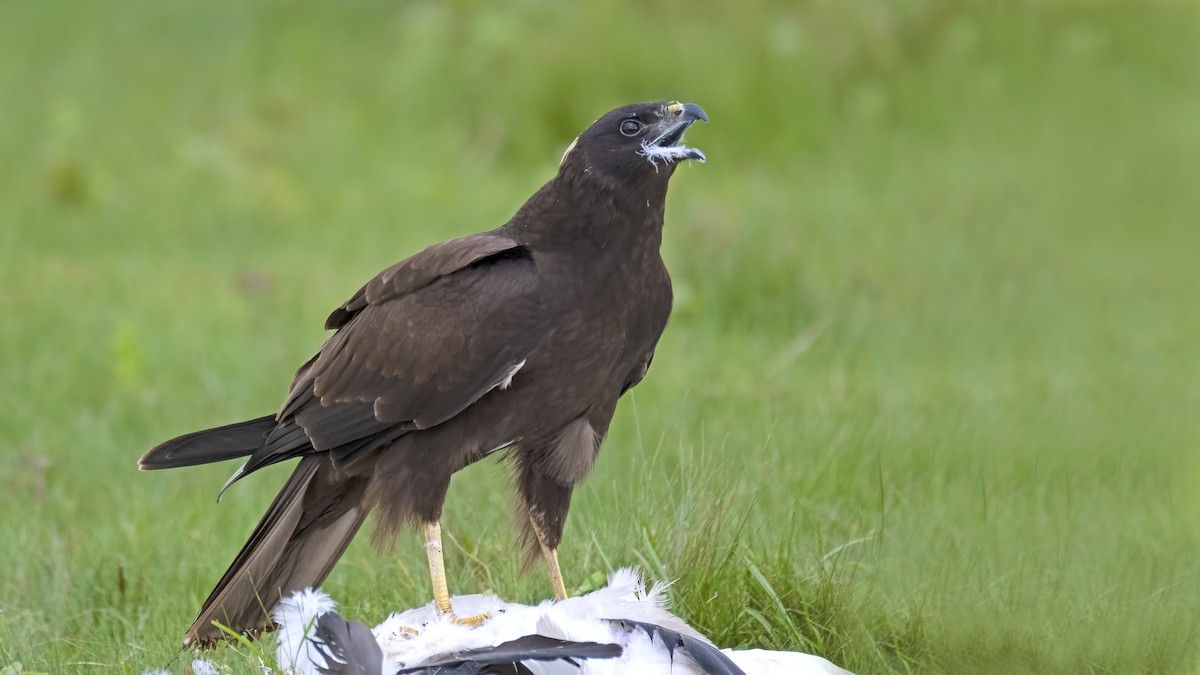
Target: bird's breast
(600, 324)
(605, 319)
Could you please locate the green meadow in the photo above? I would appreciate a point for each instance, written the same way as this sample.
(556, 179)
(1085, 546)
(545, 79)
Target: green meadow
(929, 401)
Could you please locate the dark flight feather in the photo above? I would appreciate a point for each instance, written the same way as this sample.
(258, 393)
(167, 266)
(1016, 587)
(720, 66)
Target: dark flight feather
(710, 659)
(507, 657)
(348, 647)
(303, 533)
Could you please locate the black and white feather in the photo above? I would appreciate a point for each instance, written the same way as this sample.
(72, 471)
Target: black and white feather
(622, 628)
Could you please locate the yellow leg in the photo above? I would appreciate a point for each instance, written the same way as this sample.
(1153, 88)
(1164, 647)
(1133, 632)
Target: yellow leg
(437, 566)
(437, 573)
(551, 556)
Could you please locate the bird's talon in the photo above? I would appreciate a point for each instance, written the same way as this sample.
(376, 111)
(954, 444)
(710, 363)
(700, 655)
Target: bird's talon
(472, 621)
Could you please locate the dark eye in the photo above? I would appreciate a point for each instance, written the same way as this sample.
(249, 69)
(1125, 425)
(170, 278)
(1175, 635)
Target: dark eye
(631, 127)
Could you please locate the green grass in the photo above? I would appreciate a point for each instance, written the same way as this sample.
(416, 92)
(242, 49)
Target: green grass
(928, 402)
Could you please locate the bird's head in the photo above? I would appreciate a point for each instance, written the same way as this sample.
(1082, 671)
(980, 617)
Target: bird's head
(635, 142)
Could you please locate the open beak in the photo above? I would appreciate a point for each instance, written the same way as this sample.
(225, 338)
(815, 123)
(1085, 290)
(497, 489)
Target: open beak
(668, 133)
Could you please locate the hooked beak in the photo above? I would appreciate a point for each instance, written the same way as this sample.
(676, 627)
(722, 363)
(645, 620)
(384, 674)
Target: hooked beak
(668, 133)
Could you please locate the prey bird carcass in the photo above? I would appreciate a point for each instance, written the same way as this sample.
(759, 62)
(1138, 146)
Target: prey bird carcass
(625, 627)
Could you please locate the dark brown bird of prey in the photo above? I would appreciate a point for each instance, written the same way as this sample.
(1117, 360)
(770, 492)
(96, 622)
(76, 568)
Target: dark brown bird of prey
(517, 341)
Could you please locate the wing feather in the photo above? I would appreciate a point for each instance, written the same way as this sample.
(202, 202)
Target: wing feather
(417, 271)
(414, 347)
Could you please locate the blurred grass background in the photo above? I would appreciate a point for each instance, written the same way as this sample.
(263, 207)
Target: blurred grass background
(928, 401)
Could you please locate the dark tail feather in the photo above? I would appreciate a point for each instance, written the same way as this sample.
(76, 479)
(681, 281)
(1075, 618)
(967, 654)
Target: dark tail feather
(304, 532)
(210, 445)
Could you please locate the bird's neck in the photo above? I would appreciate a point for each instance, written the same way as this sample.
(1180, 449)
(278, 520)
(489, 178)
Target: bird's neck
(590, 218)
